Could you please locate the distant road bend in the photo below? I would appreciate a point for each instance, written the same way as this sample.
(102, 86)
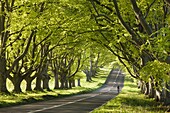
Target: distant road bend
(83, 103)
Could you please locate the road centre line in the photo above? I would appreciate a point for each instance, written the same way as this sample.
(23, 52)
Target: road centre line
(113, 85)
(115, 79)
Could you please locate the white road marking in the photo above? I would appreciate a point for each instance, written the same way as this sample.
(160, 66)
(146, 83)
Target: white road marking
(115, 79)
(55, 106)
(113, 85)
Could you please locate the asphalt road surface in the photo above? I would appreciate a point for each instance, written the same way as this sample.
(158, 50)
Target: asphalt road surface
(83, 103)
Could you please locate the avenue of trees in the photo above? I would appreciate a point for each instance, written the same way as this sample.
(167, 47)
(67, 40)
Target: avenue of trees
(44, 39)
(138, 34)
(40, 39)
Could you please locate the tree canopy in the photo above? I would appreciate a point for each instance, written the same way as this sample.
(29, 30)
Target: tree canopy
(64, 37)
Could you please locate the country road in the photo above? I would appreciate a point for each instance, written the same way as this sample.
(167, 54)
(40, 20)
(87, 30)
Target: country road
(83, 103)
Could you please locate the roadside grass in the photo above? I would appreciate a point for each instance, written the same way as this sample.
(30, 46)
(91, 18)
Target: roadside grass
(35, 96)
(130, 100)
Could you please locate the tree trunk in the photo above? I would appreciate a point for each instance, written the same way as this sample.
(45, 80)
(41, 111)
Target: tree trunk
(66, 84)
(88, 77)
(3, 88)
(46, 79)
(146, 88)
(3, 39)
(151, 89)
(28, 85)
(3, 76)
(62, 83)
(95, 67)
(157, 92)
(17, 84)
(165, 95)
(91, 67)
(143, 88)
(56, 81)
(63, 80)
(79, 84)
(38, 83)
(157, 95)
(70, 84)
(29, 80)
(141, 85)
(73, 83)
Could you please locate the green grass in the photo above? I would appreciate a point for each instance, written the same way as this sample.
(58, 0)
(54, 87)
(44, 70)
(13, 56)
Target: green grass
(130, 100)
(29, 97)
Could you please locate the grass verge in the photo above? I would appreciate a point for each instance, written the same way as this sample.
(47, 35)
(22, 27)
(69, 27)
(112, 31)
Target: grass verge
(35, 96)
(130, 100)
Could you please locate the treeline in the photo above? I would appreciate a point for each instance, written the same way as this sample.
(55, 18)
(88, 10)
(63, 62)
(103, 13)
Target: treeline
(137, 32)
(44, 39)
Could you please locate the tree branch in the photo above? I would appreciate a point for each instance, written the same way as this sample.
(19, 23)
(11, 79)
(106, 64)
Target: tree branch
(78, 66)
(24, 53)
(44, 39)
(99, 3)
(12, 5)
(124, 23)
(127, 68)
(141, 18)
(148, 9)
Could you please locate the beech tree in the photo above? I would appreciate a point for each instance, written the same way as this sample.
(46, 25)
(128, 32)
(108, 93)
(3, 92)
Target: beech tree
(138, 35)
(24, 25)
